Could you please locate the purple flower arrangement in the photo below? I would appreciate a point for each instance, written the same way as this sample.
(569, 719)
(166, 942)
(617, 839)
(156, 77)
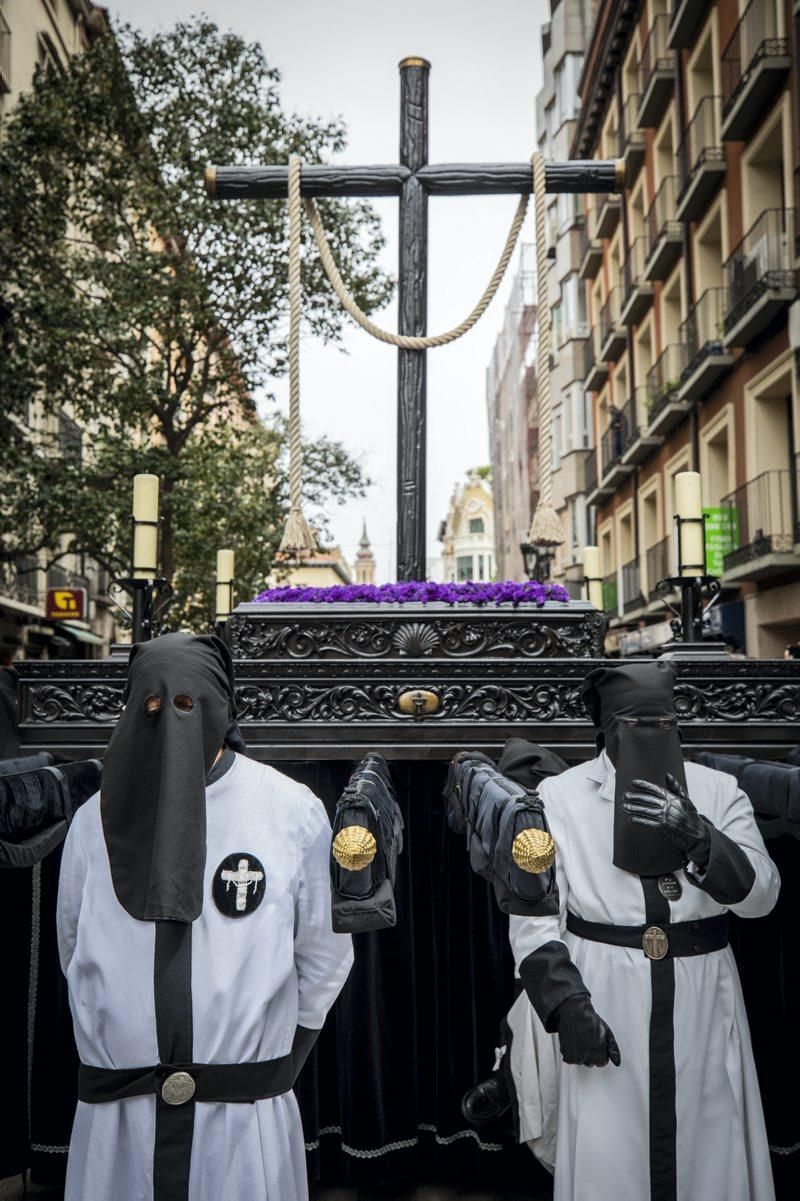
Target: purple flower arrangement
(420, 593)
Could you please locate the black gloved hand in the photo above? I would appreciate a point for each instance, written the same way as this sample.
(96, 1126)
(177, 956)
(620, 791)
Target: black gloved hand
(583, 1035)
(671, 811)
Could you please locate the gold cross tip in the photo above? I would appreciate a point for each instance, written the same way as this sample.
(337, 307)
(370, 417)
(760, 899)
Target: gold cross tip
(354, 848)
(414, 60)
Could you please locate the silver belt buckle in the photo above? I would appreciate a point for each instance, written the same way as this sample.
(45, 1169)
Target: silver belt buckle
(178, 1088)
(655, 943)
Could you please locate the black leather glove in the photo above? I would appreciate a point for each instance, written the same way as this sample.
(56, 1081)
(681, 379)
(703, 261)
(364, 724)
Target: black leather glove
(670, 810)
(584, 1037)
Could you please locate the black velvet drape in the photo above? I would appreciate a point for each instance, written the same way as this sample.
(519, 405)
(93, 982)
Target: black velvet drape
(418, 1020)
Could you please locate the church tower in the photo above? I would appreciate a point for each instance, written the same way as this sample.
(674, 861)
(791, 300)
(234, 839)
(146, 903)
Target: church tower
(365, 560)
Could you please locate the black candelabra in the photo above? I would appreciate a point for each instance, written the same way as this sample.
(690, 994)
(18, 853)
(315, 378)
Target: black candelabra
(699, 593)
(150, 593)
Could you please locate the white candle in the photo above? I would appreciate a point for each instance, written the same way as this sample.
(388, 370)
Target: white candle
(691, 535)
(225, 562)
(593, 576)
(145, 536)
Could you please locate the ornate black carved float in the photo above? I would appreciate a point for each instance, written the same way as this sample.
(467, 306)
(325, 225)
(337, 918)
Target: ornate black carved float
(419, 681)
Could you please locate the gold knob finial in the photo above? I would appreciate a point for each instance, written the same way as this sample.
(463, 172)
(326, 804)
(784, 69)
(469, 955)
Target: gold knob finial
(533, 850)
(620, 175)
(210, 178)
(414, 60)
(354, 848)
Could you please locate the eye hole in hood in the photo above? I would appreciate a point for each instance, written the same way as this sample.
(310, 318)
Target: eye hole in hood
(183, 702)
(152, 704)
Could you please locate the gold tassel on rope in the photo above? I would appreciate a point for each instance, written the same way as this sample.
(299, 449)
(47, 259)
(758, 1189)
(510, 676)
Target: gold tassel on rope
(546, 528)
(297, 537)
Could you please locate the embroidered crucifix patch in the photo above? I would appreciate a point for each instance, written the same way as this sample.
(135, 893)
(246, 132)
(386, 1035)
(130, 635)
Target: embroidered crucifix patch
(239, 884)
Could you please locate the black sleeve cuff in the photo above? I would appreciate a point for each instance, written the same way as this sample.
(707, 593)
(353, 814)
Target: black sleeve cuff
(729, 875)
(302, 1046)
(549, 976)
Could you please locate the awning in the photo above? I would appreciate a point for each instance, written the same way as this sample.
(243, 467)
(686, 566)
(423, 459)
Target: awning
(79, 633)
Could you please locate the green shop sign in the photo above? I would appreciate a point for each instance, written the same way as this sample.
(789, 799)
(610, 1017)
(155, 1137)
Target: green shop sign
(722, 536)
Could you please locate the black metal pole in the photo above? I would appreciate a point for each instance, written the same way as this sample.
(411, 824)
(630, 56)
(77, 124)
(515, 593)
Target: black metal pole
(140, 605)
(413, 306)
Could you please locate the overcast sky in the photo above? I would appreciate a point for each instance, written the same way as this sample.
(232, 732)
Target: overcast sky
(341, 58)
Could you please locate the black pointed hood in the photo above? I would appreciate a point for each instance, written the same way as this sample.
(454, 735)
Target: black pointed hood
(179, 712)
(633, 709)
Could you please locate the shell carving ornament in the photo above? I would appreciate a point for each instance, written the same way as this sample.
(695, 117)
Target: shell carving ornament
(416, 639)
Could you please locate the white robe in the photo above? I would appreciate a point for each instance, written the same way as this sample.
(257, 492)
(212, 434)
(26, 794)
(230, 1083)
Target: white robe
(254, 979)
(602, 1151)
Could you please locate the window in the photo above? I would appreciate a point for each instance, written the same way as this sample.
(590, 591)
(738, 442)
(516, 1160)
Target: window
(464, 568)
(565, 79)
(481, 576)
(476, 525)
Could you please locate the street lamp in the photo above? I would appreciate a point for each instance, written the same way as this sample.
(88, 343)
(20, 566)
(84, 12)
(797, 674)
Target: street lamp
(536, 560)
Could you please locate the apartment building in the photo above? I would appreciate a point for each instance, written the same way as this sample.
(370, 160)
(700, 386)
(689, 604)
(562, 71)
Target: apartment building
(467, 532)
(564, 41)
(691, 291)
(45, 34)
(512, 404)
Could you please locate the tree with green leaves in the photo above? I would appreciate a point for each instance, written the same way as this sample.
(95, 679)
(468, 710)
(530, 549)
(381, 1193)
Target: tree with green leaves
(151, 315)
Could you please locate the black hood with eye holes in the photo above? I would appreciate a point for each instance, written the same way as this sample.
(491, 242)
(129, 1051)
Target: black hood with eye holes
(152, 800)
(633, 709)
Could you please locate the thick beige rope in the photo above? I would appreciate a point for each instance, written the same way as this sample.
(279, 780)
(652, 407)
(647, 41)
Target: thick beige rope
(546, 528)
(297, 537)
(408, 341)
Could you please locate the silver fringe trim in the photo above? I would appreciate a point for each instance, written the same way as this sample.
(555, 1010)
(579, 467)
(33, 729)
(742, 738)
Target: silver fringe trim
(444, 1140)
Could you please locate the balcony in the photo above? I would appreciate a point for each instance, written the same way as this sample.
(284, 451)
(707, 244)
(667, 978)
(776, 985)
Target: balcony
(632, 597)
(612, 447)
(595, 372)
(5, 55)
(704, 158)
(590, 253)
(638, 290)
(608, 210)
(613, 338)
(687, 18)
(656, 74)
(759, 518)
(705, 359)
(761, 278)
(596, 490)
(632, 140)
(662, 385)
(639, 442)
(664, 232)
(659, 565)
(19, 584)
(755, 64)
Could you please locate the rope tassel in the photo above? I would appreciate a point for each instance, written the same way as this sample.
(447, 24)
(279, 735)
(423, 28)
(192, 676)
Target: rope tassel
(297, 537)
(546, 528)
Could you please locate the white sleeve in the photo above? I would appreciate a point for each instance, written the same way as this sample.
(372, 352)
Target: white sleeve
(70, 891)
(322, 959)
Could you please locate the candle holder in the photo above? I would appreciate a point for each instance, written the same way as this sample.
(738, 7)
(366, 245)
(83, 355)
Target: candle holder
(151, 595)
(221, 619)
(588, 581)
(699, 593)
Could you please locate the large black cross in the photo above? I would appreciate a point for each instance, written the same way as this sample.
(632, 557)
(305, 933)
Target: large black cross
(413, 179)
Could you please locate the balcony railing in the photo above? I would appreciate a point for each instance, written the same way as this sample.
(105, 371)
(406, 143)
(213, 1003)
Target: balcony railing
(661, 221)
(759, 518)
(659, 564)
(655, 72)
(663, 379)
(59, 577)
(19, 579)
(632, 139)
(590, 470)
(704, 159)
(638, 290)
(609, 321)
(701, 332)
(613, 441)
(763, 260)
(610, 594)
(631, 586)
(755, 41)
(5, 55)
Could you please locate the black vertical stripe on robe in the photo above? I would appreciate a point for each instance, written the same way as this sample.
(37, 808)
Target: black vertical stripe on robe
(663, 1120)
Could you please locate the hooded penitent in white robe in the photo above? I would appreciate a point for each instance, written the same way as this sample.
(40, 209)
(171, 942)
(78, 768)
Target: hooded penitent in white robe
(603, 1150)
(257, 974)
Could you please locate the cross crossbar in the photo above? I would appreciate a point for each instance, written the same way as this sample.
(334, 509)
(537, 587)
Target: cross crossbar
(446, 179)
(413, 180)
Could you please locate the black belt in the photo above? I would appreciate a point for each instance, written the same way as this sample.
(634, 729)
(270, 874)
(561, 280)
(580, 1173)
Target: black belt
(673, 939)
(177, 1083)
